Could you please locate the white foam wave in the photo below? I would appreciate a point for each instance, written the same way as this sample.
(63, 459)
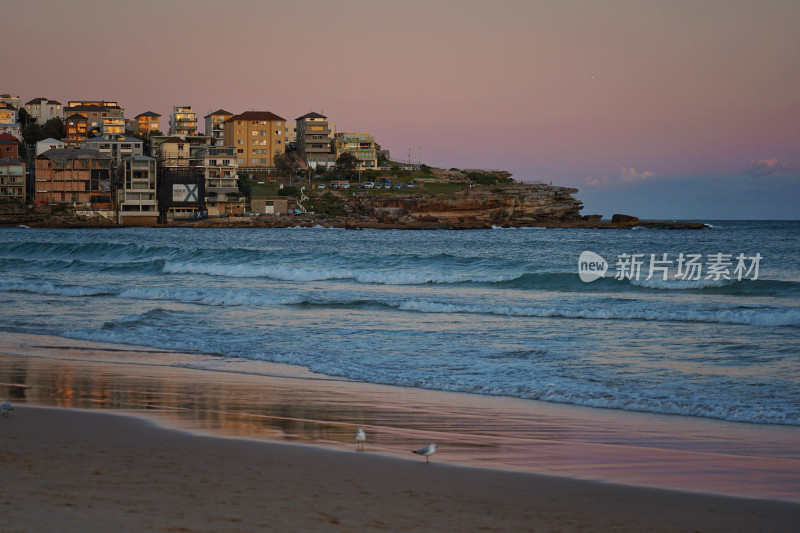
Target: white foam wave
(52, 289)
(669, 284)
(282, 273)
(208, 297)
(753, 317)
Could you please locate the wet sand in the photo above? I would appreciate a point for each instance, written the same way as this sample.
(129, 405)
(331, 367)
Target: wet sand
(80, 468)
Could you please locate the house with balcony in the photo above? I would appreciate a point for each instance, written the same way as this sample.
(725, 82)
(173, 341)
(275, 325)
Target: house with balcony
(76, 128)
(77, 176)
(361, 145)
(41, 110)
(10, 99)
(103, 117)
(257, 137)
(136, 196)
(183, 121)
(222, 183)
(147, 123)
(314, 143)
(118, 147)
(12, 180)
(215, 126)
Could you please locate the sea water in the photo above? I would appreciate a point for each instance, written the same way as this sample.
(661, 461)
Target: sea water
(487, 312)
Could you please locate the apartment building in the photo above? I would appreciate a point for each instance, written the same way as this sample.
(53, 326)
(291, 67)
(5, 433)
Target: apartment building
(41, 110)
(118, 147)
(257, 137)
(12, 180)
(361, 145)
(137, 202)
(76, 128)
(215, 126)
(74, 175)
(147, 123)
(183, 121)
(174, 150)
(314, 140)
(222, 191)
(103, 117)
(10, 99)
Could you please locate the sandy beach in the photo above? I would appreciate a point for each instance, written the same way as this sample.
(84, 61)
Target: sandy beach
(98, 445)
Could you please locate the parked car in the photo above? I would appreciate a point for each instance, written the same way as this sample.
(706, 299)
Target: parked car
(321, 186)
(369, 185)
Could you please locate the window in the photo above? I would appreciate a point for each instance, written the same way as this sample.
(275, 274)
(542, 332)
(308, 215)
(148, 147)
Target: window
(240, 160)
(239, 141)
(263, 152)
(277, 141)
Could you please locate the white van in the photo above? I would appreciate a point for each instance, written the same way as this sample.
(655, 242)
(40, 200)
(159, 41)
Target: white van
(369, 185)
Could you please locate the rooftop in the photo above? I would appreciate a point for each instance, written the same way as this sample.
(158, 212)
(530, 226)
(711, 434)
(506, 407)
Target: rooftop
(257, 115)
(311, 115)
(73, 153)
(219, 112)
(147, 114)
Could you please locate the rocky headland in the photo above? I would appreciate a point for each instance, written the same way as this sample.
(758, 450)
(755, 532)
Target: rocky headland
(507, 205)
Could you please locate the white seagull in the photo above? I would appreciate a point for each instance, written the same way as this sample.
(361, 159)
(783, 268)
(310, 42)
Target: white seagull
(426, 452)
(361, 439)
(7, 408)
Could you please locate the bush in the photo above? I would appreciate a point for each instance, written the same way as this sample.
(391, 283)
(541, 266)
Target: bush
(290, 191)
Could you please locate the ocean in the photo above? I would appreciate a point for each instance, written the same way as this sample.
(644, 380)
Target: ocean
(498, 312)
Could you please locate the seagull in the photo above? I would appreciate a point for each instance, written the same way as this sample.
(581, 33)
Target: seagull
(427, 451)
(361, 439)
(6, 407)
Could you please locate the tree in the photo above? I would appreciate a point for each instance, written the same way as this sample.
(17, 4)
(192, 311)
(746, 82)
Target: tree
(347, 162)
(32, 133)
(287, 163)
(54, 128)
(22, 117)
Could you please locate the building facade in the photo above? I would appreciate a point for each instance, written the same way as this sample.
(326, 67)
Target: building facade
(361, 145)
(147, 123)
(137, 201)
(183, 121)
(9, 146)
(102, 116)
(77, 176)
(118, 147)
(41, 110)
(12, 180)
(48, 144)
(314, 141)
(12, 100)
(257, 137)
(215, 126)
(76, 128)
(222, 183)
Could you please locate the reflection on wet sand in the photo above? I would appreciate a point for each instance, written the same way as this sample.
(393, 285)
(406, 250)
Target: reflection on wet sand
(294, 405)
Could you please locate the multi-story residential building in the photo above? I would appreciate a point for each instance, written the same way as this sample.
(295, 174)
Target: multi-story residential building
(361, 145)
(173, 150)
(9, 145)
(8, 113)
(215, 126)
(12, 179)
(257, 137)
(102, 116)
(9, 119)
(183, 121)
(147, 123)
(314, 140)
(119, 147)
(12, 100)
(137, 203)
(76, 128)
(74, 175)
(48, 144)
(42, 110)
(181, 192)
(222, 190)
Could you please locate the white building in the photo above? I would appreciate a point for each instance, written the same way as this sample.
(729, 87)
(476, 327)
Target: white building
(119, 147)
(42, 110)
(46, 144)
(137, 204)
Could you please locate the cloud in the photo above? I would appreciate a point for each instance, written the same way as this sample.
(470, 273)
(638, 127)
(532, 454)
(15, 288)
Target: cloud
(765, 167)
(626, 177)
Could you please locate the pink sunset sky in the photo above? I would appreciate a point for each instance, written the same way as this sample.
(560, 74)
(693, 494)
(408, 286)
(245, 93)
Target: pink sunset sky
(684, 109)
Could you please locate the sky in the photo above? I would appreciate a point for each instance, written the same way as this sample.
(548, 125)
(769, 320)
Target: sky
(658, 109)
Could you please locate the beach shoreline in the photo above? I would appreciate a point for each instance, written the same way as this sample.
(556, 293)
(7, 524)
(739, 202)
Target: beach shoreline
(79, 470)
(269, 403)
